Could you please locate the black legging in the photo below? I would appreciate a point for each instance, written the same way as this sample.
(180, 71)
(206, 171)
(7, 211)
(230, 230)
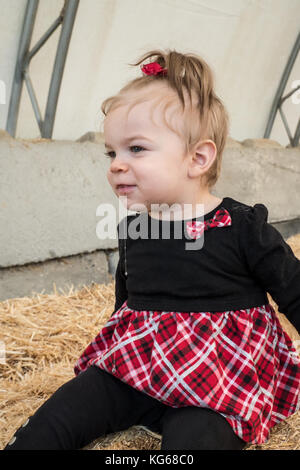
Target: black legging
(95, 403)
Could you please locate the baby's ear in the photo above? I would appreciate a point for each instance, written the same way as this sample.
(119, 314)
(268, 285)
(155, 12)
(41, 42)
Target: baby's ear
(202, 157)
(201, 160)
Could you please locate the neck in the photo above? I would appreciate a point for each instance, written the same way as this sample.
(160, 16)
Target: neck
(188, 208)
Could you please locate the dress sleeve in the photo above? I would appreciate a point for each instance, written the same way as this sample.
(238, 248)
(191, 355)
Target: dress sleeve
(121, 293)
(271, 261)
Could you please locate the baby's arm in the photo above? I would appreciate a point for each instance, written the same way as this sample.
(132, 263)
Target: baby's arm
(121, 293)
(271, 261)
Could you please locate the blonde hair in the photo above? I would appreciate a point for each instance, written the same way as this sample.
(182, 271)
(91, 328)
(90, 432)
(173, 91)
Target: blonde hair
(205, 117)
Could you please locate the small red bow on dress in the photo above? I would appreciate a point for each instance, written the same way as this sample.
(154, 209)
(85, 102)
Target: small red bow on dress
(195, 228)
(153, 69)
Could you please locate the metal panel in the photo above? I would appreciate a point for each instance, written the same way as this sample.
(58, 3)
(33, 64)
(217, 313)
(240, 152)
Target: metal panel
(24, 57)
(279, 99)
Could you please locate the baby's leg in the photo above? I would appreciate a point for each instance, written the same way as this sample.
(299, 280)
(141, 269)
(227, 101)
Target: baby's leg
(193, 428)
(90, 405)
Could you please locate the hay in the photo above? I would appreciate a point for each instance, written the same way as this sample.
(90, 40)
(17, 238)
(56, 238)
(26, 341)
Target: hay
(43, 337)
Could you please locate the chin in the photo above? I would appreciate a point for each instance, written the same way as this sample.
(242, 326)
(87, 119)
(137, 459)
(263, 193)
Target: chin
(137, 207)
(133, 205)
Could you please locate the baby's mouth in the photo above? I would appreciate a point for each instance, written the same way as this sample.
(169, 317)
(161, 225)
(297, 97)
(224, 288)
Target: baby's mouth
(125, 188)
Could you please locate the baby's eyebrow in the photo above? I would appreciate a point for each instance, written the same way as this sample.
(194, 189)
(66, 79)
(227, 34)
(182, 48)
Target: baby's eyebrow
(129, 139)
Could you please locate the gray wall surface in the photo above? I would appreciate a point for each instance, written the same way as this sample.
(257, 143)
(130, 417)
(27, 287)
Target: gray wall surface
(50, 192)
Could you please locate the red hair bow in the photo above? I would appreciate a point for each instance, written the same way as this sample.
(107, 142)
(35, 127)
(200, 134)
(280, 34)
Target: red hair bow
(153, 69)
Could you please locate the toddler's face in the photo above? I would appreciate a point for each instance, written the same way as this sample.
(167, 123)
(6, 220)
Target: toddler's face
(152, 164)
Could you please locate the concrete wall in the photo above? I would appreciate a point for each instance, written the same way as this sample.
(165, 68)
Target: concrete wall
(50, 192)
(246, 42)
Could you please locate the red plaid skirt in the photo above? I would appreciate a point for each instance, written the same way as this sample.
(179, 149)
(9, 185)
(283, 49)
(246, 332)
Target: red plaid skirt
(239, 363)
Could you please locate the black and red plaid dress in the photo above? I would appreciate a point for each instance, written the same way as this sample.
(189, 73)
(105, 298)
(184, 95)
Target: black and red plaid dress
(240, 363)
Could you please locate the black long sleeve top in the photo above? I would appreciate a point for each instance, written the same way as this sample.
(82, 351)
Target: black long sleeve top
(234, 269)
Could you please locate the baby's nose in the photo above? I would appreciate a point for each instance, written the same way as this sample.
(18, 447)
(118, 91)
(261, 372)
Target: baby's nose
(118, 164)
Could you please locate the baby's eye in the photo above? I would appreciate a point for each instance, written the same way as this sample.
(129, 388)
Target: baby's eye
(132, 147)
(137, 147)
(108, 154)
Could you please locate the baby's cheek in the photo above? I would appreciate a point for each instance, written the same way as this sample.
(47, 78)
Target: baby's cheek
(108, 176)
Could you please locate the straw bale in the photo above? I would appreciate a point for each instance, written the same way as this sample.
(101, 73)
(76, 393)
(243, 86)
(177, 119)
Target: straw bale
(43, 337)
